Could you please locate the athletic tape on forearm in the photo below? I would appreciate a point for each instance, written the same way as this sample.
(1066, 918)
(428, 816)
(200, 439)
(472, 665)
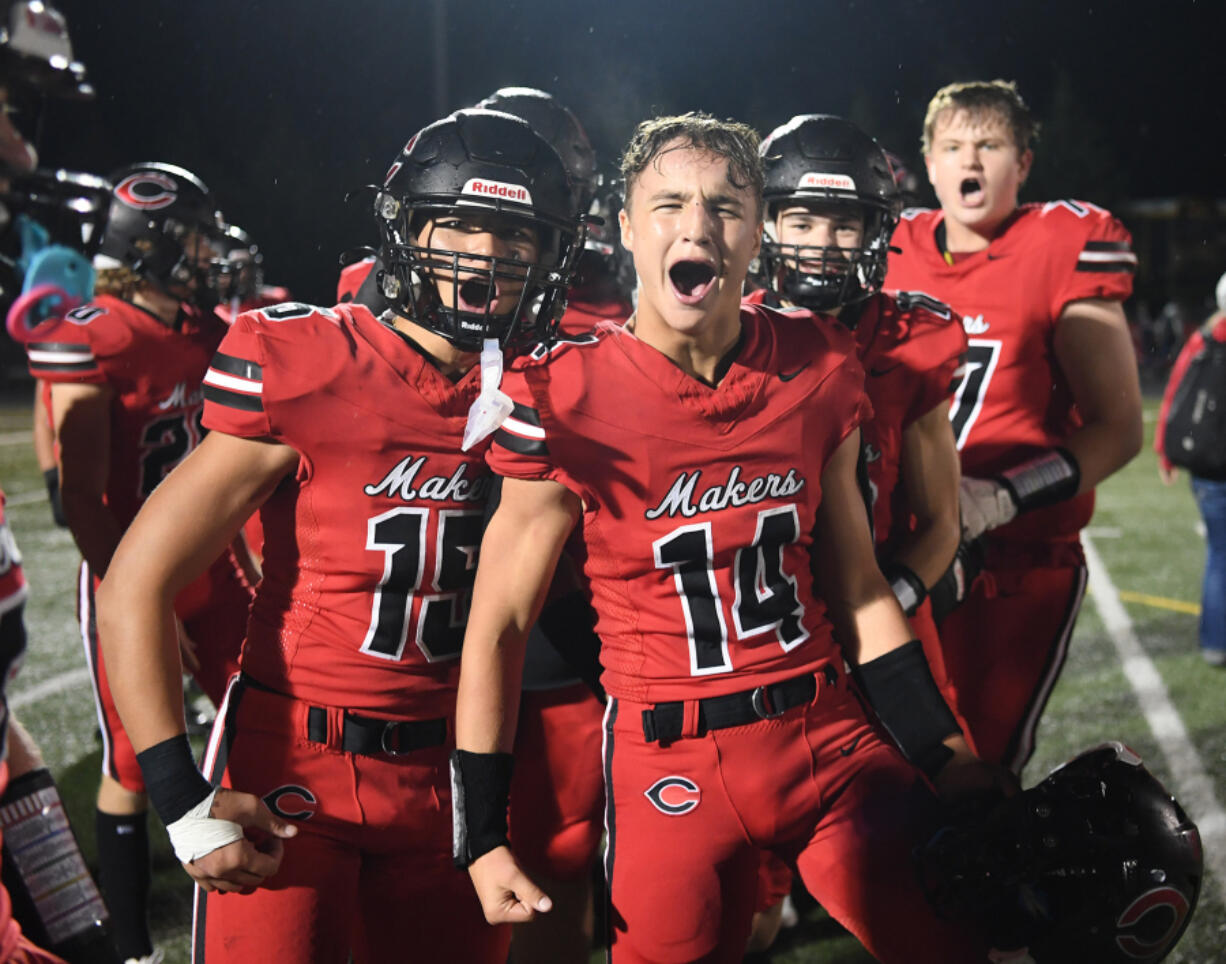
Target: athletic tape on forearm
(480, 792)
(908, 587)
(900, 687)
(1044, 480)
(196, 833)
(173, 782)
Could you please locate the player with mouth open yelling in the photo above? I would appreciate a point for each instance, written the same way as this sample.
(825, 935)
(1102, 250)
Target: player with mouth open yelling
(710, 451)
(346, 431)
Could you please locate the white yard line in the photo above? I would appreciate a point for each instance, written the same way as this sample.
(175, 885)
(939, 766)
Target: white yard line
(49, 687)
(1192, 784)
(17, 438)
(26, 498)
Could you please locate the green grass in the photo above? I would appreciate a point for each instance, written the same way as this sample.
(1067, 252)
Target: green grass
(1156, 551)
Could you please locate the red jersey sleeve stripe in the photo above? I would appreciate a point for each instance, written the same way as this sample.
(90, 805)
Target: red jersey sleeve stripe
(1107, 256)
(55, 357)
(221, 396)
(238, 368)
(522, 432)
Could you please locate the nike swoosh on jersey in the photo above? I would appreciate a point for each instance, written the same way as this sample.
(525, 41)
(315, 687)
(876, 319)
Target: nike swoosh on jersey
(788, 376)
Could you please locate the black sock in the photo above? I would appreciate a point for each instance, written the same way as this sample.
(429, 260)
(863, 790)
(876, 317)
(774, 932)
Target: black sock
(124, 875)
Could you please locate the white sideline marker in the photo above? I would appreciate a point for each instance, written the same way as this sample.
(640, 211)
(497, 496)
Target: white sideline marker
(1191, 781)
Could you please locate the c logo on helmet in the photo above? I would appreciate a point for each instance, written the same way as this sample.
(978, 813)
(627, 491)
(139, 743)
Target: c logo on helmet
(147, 190)
(1158, 899)
(674, 795)
(276, 801)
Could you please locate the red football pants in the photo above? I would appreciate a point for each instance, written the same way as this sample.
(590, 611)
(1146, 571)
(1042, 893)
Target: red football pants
(818, 787)
(557, 792)
(370, 871)
(216, 622)
(774, 877)
(1004, 648)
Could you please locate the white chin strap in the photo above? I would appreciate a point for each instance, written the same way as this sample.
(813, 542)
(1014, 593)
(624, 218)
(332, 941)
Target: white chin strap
(492, 406)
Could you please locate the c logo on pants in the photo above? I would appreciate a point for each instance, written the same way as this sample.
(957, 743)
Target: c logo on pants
(276, 802)
(674, 795)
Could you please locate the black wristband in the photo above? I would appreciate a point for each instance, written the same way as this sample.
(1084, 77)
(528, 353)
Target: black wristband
(480, 793)
(900, 687)
(172, 780)
(908, 587)
(952, 587)
(1043, 480)
(51, 478)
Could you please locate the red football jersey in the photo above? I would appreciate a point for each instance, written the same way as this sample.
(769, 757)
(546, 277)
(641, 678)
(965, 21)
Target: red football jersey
(1014, 401)
(267, 296)
(351, 278)
(153, 370)
(585, 311)
(699, 502)
(910, 345)
(370, 550)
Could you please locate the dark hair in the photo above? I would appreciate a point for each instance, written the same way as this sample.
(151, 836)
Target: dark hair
(979, 98)
(735, 142)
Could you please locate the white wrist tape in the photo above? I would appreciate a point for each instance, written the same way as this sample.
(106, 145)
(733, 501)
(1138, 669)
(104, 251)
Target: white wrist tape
(196, 833)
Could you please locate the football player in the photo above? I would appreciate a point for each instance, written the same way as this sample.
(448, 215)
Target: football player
(558, 735)
(238, 271)
(46, 881)
(126, 397)
(831, 205)
(346, 432)
(730, 726)
(1048, 406)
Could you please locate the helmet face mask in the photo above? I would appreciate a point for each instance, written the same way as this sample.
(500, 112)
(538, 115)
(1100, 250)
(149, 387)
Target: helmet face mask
(236, 268)
(830, 165)
(829, 276)
(479, 231)
(1096, 863)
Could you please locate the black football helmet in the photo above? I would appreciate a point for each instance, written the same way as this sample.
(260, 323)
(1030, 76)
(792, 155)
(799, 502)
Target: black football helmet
(822, 158)
(481, 160)
(1096, 863)
(72, 207)
(35, 51)
(159, 213)
(237, 267)
(560, 127)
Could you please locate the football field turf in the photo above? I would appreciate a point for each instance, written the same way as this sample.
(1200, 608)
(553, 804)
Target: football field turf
(1133, 674)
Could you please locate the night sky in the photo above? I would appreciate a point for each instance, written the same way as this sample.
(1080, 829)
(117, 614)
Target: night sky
(282, 107)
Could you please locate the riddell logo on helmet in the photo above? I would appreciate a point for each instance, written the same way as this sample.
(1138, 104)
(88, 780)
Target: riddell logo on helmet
(839, 182)
(509, 192)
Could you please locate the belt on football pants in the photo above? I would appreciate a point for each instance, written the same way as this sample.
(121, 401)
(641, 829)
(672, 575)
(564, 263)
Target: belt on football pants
(369, 735)
(365, 735)
(665, 722)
